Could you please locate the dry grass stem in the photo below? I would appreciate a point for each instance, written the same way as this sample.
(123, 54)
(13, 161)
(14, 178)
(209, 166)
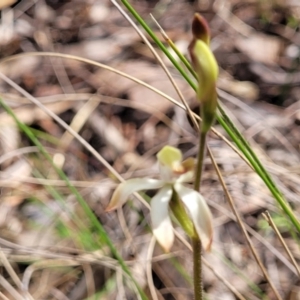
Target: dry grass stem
(88, 61)
(10, 270)
(242, 226)
(149, 269)
(255, 234)
(10, 289)
(268, 218)
(208, 265)
(79, 120)
(160, 62)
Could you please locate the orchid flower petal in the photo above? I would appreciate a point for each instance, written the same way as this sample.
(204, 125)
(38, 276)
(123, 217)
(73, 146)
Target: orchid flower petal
(161, 222)
(169, 156)
(130, 186)
(188, 169)
(199, 212)
(165, 173)
(186, 177)
(189, 164)
(169, 159)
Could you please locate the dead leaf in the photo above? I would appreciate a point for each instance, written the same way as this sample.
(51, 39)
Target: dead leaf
(242, 89)
(29, 115)
(20, 168)
(98, 50)
(260, 47)
(9, 138)
(147, 72)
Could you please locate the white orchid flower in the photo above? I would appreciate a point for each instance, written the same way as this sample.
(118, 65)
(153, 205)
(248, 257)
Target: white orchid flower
(174, 173)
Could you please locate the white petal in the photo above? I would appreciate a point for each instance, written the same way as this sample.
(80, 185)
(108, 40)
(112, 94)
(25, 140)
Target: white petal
(130, 186)
(199, 212)
(165, 173)
(161, 222)
(186, 177)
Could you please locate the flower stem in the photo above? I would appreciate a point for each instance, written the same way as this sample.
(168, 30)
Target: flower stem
(196, 242)
(179, 212)
(200, 159)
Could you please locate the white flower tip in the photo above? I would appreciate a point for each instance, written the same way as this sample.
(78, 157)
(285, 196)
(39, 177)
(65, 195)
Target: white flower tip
(166, 249)
(110, 207)
(165, 237)
(205, 231)
(116, 201)
(126, 188)
(206, 243)
(161, 222)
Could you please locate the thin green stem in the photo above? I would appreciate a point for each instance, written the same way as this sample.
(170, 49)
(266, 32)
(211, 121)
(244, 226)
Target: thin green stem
(180, 214)
(198, 288)
(200, 159)
(196, 242)
(182, 217)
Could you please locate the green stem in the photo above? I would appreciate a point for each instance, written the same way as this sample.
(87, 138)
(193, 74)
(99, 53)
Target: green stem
(197, 267)
(196, 242)
(182, 217)
(200, 159)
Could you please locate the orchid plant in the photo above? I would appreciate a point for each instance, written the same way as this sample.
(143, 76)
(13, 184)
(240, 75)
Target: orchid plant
(206, 68)
(186, 204)
(174, 173)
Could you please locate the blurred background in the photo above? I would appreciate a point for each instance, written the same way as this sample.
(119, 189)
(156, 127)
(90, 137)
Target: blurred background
(49, 246)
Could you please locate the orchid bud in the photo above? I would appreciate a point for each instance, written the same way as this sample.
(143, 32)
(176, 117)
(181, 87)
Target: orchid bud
(206, 68)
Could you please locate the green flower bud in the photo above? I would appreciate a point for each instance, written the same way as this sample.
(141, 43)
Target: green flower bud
(206, 68)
